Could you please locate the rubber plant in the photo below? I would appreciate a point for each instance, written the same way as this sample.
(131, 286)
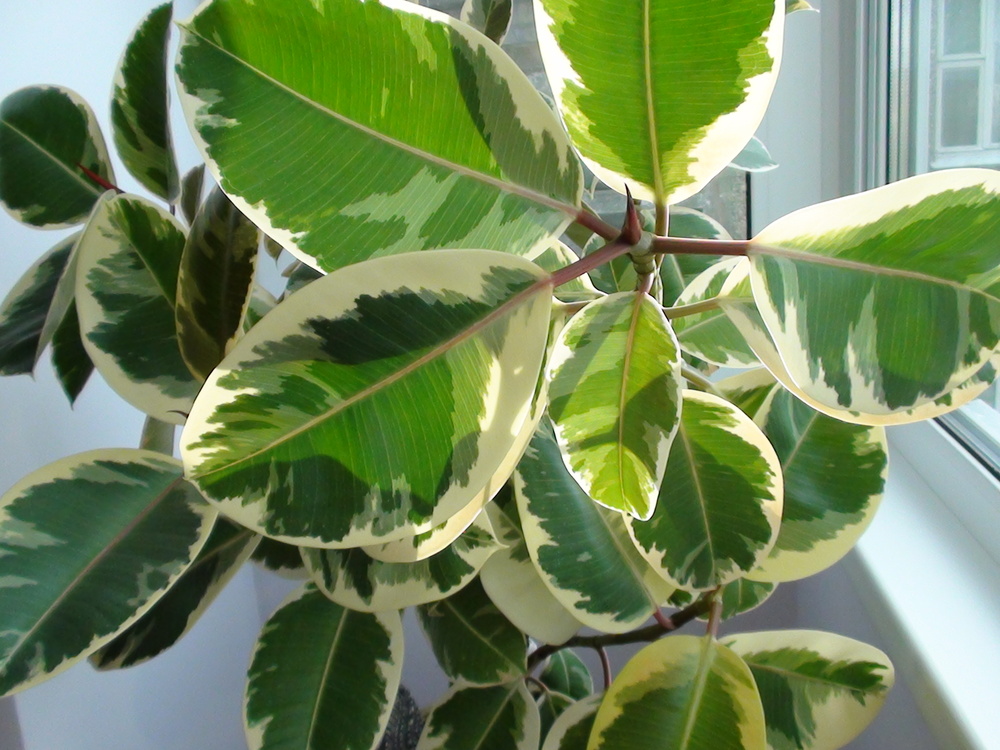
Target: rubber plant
(476, 397)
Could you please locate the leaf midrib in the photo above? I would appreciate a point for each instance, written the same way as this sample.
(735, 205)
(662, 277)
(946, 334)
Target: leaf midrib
(87, 185)
(792, 675)
(518, 668)
(461, 170)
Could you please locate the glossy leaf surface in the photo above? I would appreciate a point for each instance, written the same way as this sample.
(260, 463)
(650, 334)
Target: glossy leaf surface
(504, 717)
(567, 674)
(492, 17)
(494, 171)
(572, 729)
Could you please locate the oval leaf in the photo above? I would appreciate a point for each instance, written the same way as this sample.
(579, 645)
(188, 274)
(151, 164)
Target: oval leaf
(566, 673)
(72, 364)
(581, 549)
(911, 271)
(682, 693)
(494, 171)
(125, 289)
(46, 134)
(375, 403)
(114, 526)
(296, 696)
(571, 729)
(614, 398)
(493, 718)
(720, 504)
(754, 158)
(140, 106)
(278, 557)
(215, 282)
(473, 642)
(492, 17)
(668, 103)
(819, 690)
(835, 473)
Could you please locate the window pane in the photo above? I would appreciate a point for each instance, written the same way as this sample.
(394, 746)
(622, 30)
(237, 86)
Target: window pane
(959, 107)
(961, 26)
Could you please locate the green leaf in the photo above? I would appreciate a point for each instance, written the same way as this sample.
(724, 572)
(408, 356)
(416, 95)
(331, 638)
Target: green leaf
(567, 674)
(191, 189)
(794, 5)
(26, 307)
(720, 503)
(387, 369)
(72, 364)
(835, 473)
(354, 579)
(492, 17)
(551, 705)
(297, 695)
(910, 270)
(626, 95)
(711, 335)
(46, 133)
(556, 255)
(748, 390)
(516, 587)
(177, 611)
(140, 106)
(504, 717)
(215, 281)
(754, 158)
(581, 549)
(819, 690)
(743, 595)
(614, 398)
(350, 172)
(111, 526)
(125, 288)
(682, 693)
(278, 557)
(572, 729)
(473, 642)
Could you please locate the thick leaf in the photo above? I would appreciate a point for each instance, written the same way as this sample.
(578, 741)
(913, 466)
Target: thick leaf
(748, 390)
(140, 106)
(572, 729)
(719, 507)
(278, 557)
(819, 690)
(46, 134)
(677, 271)
(614, 398)
(754, 158)
(835, 473)
(126, 283)
(551, 705)
(744, 595)
(567, 674)
(26, 307)
(322, 676)
(111, 526)
(516, 587)
(492, 17)
(421, 546)
(711, 335)
(375, 403)
(215, 281)
(352, 578)
(668, 93)
(910, 272)
(191, 189)
(557, 255)
(493, 718)
(682, 693)
(473, 642)
(72, 364)
(582, 550)
(177, 611)
(350, 172)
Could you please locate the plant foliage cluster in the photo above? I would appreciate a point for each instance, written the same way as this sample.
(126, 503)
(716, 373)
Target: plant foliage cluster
(475, 397)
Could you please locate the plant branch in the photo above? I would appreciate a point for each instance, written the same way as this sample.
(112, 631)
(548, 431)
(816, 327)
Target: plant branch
(694, 308)
(589, 262)
(605, 667)
(715, 612)
(596, 224)
(685, 246)
(696, 378)
(96, 178)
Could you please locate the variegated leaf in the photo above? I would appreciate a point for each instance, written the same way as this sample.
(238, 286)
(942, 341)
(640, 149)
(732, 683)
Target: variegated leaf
(177, 611)
(566, 673)
(492, 17)
(835, 473)
(191, 189)
(353, 579)
(748, 390)
(375, 403)
(215, 282)
(125, 289)
(72, 364)
(140, 106)
(743, 595)
(551, 705)
(720, 503)
(278, 557)
(556, 256)
(26, 307)
(504, 717)
(473, 642)
(46, 134)
(909, 270)
(322, 676)
(572, 729)
(819, 690)
(666, 95)
(711, 335)
(754, 158)
(614, 398)
(682, 693)
(111, 526)
(350, 173)
(515, 586)
(582, 550)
